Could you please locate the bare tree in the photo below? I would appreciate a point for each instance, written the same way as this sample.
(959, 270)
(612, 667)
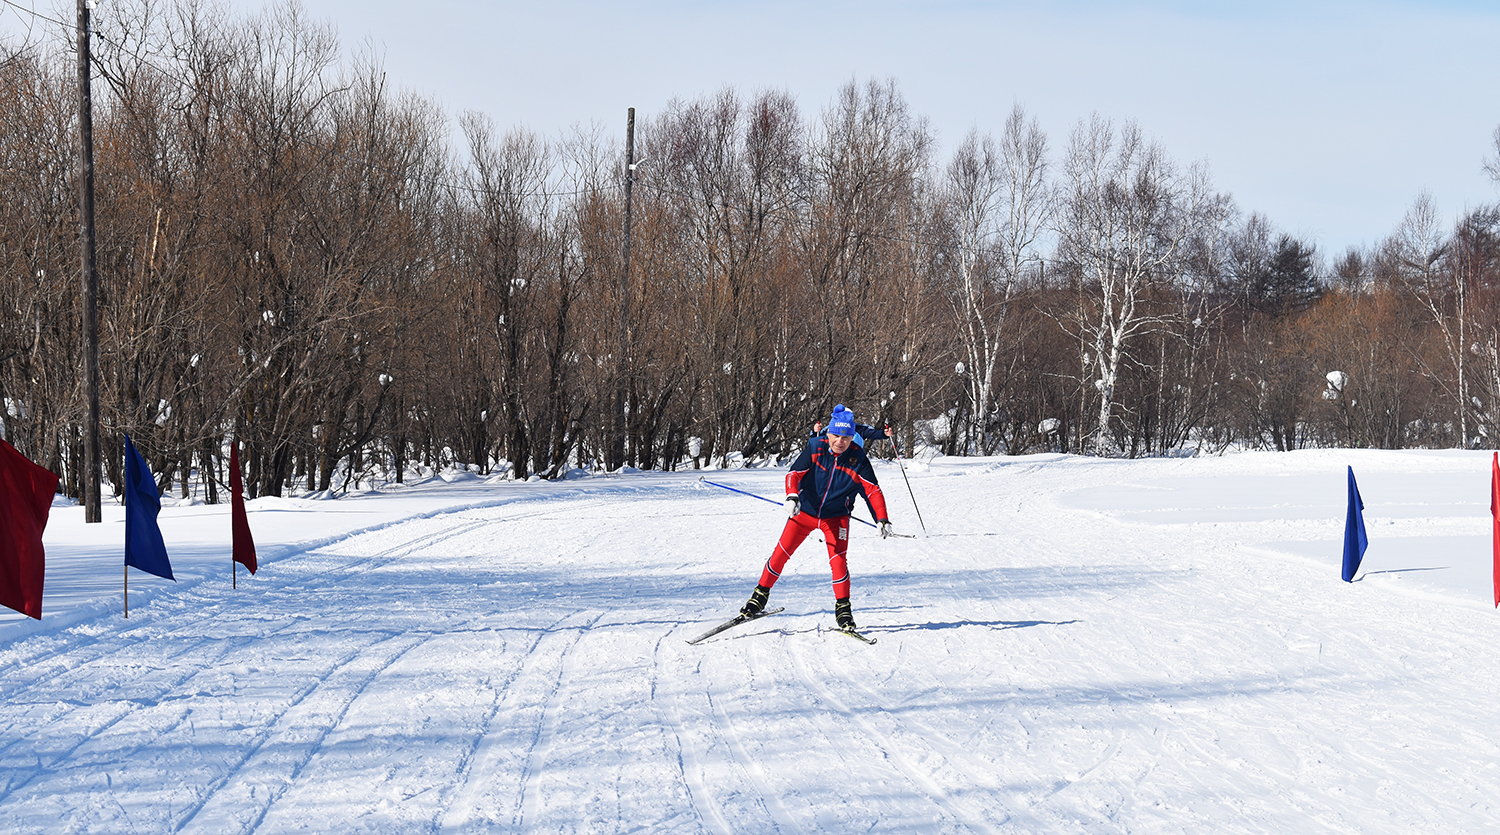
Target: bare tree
(40, 397)
(867, 160)
(997, 199)
(1415, 256)
(1492, 164)
(1126, 215)
(1190, 360)
(281, 227)
(1474, 261)
(721, 190)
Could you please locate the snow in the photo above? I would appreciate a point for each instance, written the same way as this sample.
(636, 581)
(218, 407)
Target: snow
(1074, 645)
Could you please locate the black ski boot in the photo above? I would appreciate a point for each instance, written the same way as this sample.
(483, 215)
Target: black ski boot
(757, 602)
(843, 613)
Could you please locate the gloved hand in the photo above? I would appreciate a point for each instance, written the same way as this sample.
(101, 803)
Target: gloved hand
(793, 505)
(885, 529)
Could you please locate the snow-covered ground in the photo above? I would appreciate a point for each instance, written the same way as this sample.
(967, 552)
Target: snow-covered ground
(1075, 645)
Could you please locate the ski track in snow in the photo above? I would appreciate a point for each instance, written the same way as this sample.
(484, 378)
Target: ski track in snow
(278, 758)
(486, 754)
(890, 752)
(556, 687)
(1076, 646)
(668, 699)
(763, 796)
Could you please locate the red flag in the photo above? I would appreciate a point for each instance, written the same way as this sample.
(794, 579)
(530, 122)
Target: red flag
(26, 492)
(239, 523)
(1495, 518)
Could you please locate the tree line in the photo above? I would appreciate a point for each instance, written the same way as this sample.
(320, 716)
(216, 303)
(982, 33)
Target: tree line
(300, 257)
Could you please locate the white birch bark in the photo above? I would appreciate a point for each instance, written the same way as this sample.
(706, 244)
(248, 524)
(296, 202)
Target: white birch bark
(1127, 213)
(998, 202)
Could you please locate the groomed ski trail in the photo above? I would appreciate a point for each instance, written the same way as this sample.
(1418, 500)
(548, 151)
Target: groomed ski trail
(1047, 663)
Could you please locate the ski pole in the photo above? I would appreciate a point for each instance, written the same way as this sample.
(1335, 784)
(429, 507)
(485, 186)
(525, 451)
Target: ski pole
(896, 454)
(705, 480)
(909, 492)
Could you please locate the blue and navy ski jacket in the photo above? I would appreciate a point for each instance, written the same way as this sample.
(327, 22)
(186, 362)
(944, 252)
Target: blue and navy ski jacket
(827, 484)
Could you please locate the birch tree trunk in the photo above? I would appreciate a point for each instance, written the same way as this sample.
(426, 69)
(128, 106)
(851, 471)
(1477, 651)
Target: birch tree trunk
(998, 202)
(1127, 212)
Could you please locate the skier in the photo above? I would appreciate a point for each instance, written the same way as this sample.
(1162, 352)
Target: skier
(820, 490)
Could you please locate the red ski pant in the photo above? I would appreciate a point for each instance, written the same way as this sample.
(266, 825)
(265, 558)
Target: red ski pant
(835, 534)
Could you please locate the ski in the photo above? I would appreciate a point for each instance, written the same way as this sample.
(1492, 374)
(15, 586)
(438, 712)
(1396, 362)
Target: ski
(733, 622)
(854, 634)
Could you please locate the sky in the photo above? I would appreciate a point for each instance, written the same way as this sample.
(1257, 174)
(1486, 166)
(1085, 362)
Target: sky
(1328, 117)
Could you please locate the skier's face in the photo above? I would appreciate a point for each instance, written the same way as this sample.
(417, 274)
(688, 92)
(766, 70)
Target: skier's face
(839, 443)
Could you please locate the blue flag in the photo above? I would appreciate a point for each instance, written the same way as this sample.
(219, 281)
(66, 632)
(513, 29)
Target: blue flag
(1355, 541)
(144, 547)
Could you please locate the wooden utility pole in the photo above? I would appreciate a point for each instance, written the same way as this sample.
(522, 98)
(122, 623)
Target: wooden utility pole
(91, 502)
(617, 431)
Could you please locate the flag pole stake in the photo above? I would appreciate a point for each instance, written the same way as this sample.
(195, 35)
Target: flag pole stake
(127, 590)
(1495, 521)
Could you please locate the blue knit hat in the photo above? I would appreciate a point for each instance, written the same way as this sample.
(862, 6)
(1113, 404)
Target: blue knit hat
(842, 422)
